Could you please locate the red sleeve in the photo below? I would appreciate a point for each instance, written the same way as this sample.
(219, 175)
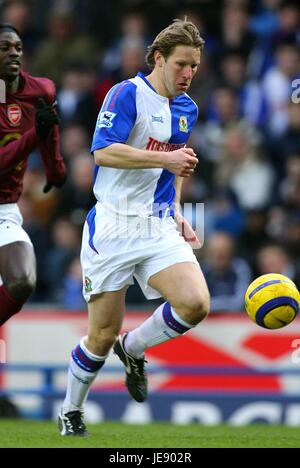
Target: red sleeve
(18, 150)
(52, 160)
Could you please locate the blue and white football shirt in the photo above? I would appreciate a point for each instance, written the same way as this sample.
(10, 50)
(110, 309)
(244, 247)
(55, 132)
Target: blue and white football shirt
(135, 114)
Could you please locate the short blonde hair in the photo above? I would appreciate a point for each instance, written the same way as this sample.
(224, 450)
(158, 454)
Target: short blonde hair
(180, 32)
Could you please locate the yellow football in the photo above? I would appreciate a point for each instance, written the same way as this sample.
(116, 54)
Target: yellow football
(272, 301)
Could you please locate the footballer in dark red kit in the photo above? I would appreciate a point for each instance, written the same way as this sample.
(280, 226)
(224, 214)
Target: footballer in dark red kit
(28, 121)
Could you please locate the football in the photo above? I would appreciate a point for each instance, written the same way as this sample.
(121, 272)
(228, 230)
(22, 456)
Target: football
(272, 301)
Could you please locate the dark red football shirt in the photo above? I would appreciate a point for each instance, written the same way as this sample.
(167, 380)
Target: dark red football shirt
(18, 138)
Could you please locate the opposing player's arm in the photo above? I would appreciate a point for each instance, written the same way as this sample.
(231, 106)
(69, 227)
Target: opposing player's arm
(52, 160)
(121, 156)
(49, 143)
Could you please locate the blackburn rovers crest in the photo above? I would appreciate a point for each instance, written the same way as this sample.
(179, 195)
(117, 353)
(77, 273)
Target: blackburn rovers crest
(14, 114)
(183, 124)
(88, 284)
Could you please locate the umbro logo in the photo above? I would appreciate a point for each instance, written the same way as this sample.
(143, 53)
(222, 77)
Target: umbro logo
(157, 119)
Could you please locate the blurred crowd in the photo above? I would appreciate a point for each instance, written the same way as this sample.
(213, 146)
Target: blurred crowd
(247, 137)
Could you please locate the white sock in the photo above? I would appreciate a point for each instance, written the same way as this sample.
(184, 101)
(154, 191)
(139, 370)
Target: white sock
(163, 325)
(83, 369)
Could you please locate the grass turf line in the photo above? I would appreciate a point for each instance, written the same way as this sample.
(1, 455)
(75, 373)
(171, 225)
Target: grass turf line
(30, 434)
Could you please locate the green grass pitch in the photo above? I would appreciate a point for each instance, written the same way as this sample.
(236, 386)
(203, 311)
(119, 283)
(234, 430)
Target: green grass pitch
(21, 433)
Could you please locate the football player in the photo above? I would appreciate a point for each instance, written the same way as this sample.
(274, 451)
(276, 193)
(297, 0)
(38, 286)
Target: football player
(28, 121)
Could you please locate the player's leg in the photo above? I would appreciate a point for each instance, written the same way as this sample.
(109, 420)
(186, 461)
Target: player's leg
(18, 273)
(185, 290)
(106, 313)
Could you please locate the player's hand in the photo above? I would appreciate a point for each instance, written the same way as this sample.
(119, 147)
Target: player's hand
(45, 118)
(187, 232)
(181, 162)
(48, 186)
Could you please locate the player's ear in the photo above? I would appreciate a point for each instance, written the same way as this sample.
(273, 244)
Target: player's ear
(158, 58)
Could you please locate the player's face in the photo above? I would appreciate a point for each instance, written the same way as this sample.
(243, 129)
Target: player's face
(11, 51)
(179, 69)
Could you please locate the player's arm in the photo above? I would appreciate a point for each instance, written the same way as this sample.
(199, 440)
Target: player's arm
(115, 123)
(178, 189)
(14, 152)
(52, 160)
(183, 225)
(121, 156)
(49, 144)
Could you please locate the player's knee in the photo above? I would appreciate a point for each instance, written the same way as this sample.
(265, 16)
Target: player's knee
(22, 287)
(196, 307)
(99, 343)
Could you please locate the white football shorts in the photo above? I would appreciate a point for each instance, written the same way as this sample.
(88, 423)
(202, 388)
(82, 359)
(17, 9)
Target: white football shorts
(116, 248)
(11, 222)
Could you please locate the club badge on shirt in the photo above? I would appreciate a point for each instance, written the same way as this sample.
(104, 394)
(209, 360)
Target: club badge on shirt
(88, 284)
(14, 114)
(183, 124)
(105, 119)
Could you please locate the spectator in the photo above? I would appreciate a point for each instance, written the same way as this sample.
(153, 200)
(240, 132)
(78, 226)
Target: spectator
(223, 213)
(277, 87)
(62, 45)
(288, 186)
(133, 29)
(77, 96)
(74, 140)
(227, 276)
(274, 259)
(203, 84)
(234, 73)
(71, 294)
(131, 55)
(222, 114)
(255, 234)
(236, 34)
(77, 196)
(291, 237)
(18, 13)
(287, 143)
(65, 246)
(243, 171)
(289, 22)
(265, 22)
